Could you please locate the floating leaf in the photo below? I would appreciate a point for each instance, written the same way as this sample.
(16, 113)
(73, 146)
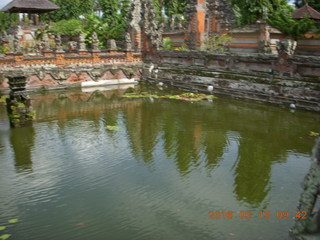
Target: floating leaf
(15, 220)
(314, 134)
(190, 97)
(5, 236)
(113, 128)
(2, 228)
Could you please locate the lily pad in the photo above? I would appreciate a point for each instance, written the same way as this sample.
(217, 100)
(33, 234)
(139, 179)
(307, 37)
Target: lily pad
(314, 134)
(15, 220)
(113, 128)
(2, 228)
(5, 236)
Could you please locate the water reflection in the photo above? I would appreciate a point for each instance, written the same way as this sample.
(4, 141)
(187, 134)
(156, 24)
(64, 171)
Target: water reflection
(192, 135)
(22, 143)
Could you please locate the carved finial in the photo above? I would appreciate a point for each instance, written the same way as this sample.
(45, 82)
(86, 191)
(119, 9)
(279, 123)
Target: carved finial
(17, 45)
(82, 42)
(128, 42)
(46, 42)
(95, 41)
(58, 43)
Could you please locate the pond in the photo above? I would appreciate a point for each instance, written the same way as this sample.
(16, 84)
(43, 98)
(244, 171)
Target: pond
(98, 166)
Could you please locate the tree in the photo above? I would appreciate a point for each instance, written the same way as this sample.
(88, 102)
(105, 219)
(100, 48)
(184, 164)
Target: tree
(249, 11)
(173, 7)
(125, 7)
(70, 9)
(7, 20)
(312, 3)
(289, 26)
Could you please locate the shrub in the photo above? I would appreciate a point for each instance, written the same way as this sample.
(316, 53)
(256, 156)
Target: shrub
(72, 27)
(167, 44)
(217, 43)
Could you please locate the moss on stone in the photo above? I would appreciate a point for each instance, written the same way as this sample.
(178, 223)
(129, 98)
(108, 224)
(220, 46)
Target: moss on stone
(3, 98)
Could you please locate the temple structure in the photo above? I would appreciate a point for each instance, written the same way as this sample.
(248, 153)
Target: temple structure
(31, 7)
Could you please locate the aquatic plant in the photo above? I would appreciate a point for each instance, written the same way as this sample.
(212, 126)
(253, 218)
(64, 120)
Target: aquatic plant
(190, 97)
(113, 128)
(2, 228)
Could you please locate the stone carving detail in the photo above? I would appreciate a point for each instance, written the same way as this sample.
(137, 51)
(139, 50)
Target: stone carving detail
(95, 41)
(222, 10)
(133, 25)
(58, 43)
(11, 43)
(151, 25)
(17, 45)
(308, 198)
(128, 43)
(111, 45)
(46, 42)
(287, 46)
(175, 23)
(82, 43)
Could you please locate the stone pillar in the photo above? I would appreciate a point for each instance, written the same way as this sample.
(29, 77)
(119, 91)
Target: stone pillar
(95, 41)
(19, 104)
(284, 65)
(112, 46)
(95, 49)
(10, 45)
(196, 14)
(264, 36)
(82, 45)
(47, 52)
(133, 25)
(18, 58)
(60, 60)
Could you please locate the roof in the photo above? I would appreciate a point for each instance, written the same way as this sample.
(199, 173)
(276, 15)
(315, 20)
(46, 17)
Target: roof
(306, 11)
(30, 6)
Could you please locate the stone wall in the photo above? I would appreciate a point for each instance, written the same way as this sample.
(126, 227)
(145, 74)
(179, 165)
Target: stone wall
(54, 77)
(259, 77)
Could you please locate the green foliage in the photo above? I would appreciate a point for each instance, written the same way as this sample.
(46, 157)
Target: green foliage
(41, 31)
(125, 7)
(189, 97)
(12, 221)
(70, 9)
(104, 29)
(112, 23)
(70, 27)
(173, 7)
(113, 128)
(289, 26)
(7, 20)
(4, 49)
(2, 228)
(217, 43)
(167, 44)
(5, 236)
(249, 11)
(312, 3)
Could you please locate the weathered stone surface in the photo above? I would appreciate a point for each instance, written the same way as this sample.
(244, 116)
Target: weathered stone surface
(311, 186)
(256, 77)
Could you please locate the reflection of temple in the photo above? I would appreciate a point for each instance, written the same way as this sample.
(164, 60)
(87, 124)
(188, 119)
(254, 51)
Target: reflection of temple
(190, 140)
(190, 135)
(22, 142)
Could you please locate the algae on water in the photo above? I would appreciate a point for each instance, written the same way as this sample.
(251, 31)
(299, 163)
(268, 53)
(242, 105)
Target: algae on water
(190, 97)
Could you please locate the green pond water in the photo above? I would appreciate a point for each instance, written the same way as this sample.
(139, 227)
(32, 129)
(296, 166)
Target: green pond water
(158, 175)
